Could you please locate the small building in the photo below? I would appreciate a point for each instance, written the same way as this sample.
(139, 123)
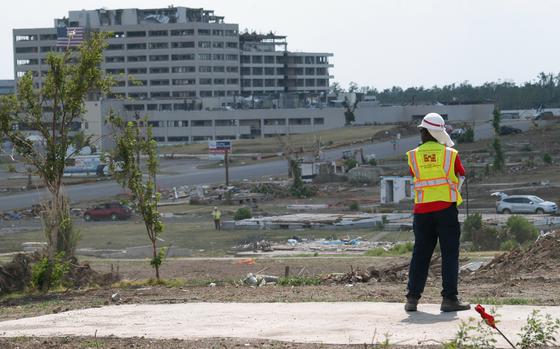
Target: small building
(395, 189)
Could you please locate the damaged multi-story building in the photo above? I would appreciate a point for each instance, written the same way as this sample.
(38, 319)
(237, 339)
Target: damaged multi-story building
(197, 77)
(184, 68)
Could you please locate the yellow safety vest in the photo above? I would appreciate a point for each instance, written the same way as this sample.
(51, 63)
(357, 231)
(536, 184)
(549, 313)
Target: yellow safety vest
(217, 214)
(433, 165)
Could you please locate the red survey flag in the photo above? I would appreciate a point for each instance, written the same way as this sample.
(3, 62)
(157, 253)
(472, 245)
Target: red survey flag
(487, 317)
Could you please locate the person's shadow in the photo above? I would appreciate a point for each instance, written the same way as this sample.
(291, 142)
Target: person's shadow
(419, 317)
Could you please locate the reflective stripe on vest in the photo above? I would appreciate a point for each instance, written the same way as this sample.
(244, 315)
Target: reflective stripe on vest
(414, 163)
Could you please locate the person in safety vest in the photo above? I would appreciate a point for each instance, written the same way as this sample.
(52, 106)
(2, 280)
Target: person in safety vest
(438, 175)
(217, 216)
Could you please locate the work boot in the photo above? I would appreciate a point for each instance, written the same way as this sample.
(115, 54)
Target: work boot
(411, 304)
(455, 304)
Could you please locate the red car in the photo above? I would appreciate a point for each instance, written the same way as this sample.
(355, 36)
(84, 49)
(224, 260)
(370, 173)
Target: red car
(114, 211)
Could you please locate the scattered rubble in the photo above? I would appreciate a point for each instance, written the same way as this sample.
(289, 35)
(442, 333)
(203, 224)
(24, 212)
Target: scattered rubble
(391, 273)
(205, 194)
(316, 221)
(259, 280)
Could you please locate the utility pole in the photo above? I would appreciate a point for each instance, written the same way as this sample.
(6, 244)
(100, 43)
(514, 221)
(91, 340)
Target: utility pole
(226, 163)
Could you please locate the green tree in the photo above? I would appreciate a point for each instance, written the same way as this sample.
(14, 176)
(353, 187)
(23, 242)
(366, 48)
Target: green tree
(496, 120)
(51, 111)
(133, 142)
(519, 228)
(335, 88)
(472, 224)
(353, 87)
(499, 161)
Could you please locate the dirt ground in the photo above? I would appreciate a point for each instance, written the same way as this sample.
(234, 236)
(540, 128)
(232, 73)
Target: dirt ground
(208, 280)
(126, 343)
(193, 277)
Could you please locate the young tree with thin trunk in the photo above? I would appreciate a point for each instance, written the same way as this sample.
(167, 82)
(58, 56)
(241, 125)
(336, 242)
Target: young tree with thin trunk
(132, 143)
(499, 158)
(51, 111)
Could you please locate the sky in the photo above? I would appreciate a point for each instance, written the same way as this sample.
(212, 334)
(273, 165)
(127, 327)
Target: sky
(379, 43)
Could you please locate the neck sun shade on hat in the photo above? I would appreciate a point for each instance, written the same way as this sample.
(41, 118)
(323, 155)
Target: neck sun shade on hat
(434, 123)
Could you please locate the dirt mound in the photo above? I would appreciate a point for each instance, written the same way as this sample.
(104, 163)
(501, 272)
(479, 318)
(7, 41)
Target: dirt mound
(542, 259)
(81, 274)
(15, 275)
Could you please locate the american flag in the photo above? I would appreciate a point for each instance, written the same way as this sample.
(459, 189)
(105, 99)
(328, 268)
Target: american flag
(69, 36)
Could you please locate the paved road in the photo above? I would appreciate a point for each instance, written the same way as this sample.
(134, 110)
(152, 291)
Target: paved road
(328, 323)
(194, 176)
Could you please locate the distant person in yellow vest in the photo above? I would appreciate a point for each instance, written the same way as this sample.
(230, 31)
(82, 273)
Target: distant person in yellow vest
(438, 175)
(217, 215)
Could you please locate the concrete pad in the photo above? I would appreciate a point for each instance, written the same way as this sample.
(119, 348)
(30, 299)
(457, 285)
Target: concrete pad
(329, 323)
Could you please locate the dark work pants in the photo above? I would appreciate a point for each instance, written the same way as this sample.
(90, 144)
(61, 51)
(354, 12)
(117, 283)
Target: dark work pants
(428, 228)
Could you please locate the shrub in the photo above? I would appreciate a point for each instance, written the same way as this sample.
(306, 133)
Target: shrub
(242, 213)
(547, 158)
(40, 272)
(354, 206)
(539, 332)
(303, 191)
(509, 245)
(372, 162)
(486, 238)
(403, 248)
(350, 164)
(472, 223)
(520, 229)
(11, 168)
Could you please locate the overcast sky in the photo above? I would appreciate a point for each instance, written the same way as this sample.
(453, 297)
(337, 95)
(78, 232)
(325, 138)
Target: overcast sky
(380, 43)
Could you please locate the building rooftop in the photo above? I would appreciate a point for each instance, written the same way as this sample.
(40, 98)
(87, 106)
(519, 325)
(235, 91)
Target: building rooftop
(134, 16)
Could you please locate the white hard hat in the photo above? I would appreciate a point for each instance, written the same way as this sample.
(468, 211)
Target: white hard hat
(434, 123)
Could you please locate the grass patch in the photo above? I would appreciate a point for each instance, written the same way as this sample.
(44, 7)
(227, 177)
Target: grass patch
(91, 343)
(345, 135)
(397, 250)
(299, 281)
(503, 301)
(171, 283)
(197, 236)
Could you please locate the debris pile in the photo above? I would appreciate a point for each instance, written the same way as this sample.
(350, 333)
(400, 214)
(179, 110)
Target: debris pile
(16, 275)
(255, 246)
(542, 258)
(205, 194)
(391, 273)
(315, 221)
(81, 274)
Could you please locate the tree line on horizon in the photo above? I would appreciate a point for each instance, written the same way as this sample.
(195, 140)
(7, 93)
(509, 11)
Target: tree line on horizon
(543, 92)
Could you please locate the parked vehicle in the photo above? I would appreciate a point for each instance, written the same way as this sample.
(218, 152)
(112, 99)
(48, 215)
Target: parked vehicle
(508, 130)
(456, 133)
(113, 211)
(524, 204)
